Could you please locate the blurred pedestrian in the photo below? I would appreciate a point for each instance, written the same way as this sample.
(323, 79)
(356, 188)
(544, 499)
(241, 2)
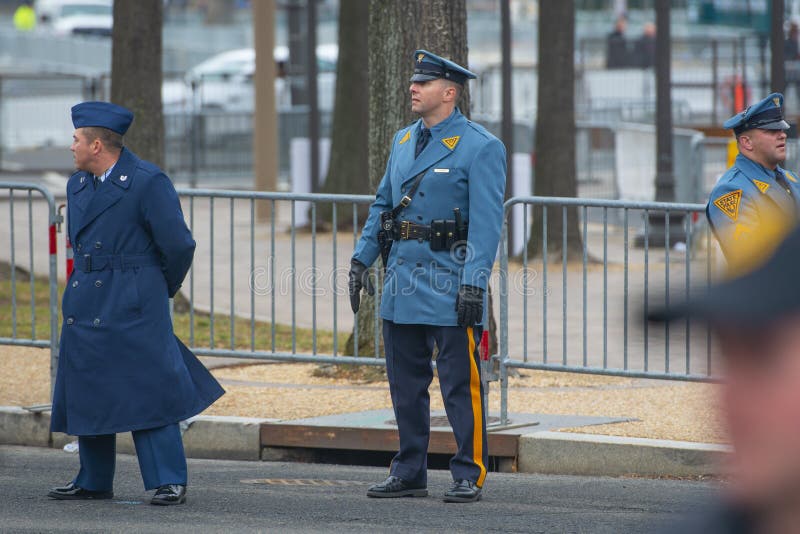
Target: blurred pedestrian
(645, 48)
(756, 202)
(439, 208)
(617, 53)
(120, 367)
(756, 319)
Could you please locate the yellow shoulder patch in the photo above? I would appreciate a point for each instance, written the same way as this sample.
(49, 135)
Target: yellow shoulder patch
(451, 142)
(790, 175)
(729, 203)
(406, 137)
(762, 186)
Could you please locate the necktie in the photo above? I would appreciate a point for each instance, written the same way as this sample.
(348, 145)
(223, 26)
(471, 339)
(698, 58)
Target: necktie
(422, 141)
(96, 181)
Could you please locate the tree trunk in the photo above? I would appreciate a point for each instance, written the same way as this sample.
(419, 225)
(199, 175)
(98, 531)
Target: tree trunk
(555, 130)
(136, 74)
(396, 29)
(348, 167)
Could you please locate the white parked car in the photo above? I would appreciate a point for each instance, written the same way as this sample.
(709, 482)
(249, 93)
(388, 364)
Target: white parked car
(76, 17)
(225, 82)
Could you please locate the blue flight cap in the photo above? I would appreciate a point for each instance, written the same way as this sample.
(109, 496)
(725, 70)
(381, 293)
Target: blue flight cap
(765, 115)
(102, 115)
(428, 66)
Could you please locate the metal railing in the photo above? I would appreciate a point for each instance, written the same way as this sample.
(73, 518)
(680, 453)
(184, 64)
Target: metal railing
(244, 261)
(616, 269)
(269, 281)
(33, 210)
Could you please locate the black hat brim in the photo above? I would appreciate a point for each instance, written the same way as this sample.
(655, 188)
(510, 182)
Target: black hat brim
(779, 125)
(418, 77)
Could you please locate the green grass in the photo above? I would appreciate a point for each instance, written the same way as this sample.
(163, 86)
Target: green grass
(182, 323)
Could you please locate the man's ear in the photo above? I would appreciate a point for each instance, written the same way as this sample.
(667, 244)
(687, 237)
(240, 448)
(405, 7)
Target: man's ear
(745, 142)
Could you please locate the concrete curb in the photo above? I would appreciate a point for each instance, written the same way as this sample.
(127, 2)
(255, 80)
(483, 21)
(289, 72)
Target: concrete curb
(561, 453)
(208, 436)
(565, 453)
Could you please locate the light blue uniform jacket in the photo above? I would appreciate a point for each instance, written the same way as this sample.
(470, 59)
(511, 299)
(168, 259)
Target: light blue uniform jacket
(747, 204)
(465, 168)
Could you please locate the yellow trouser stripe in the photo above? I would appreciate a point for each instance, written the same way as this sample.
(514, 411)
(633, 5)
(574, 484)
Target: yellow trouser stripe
(477, 409)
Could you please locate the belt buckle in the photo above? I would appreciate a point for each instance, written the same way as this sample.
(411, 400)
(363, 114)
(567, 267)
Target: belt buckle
(404, 228)
(87, 263)
(405, 201)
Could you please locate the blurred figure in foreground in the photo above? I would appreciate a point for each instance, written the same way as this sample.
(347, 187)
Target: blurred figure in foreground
(756, 318)
(755, 203)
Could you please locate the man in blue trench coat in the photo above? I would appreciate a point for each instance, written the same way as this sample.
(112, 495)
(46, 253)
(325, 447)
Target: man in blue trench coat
(120, 367)
(441, 205)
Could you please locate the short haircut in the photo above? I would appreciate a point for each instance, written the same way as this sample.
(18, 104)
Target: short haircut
(110, 139)
(458, 87)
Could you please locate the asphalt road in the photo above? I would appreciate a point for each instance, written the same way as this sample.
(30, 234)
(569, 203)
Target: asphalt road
(223, 498)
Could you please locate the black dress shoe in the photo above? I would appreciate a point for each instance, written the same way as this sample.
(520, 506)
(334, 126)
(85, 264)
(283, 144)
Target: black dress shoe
(169, 494)
(463, 491)
(396, 487)
(73, 492)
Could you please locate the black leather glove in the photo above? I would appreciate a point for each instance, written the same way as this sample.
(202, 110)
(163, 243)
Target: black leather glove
(469, 305)
(359, 278)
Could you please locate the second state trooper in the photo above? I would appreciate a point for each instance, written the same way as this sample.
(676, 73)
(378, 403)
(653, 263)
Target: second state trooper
(436, 217)
(756, 202)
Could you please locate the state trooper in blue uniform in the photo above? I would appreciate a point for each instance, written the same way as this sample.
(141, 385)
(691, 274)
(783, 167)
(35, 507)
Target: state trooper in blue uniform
(120, 366)
(440, 203)
(755, 203)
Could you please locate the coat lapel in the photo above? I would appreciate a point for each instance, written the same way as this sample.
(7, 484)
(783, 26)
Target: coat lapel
(442, 143)
(110, 191)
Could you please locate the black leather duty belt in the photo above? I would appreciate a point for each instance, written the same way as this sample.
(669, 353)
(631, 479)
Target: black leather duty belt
(409, 230)
(89, 262)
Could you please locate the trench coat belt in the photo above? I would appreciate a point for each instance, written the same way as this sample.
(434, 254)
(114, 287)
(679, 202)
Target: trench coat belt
(90, 262)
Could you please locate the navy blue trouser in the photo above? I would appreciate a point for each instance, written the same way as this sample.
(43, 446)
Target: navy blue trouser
(409, 349)
(160, 452)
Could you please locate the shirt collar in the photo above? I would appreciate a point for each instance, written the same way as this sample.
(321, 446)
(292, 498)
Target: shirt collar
(442, 126)
(105, 175)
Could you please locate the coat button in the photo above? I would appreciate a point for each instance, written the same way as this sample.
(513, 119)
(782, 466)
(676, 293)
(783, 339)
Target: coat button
(75, 283)
(399, 261)
(79, 246)
(419, 217)
(98, 244)
(70, 320)
(96, 321)
(419, 264)
(98, 283)
(421, 193)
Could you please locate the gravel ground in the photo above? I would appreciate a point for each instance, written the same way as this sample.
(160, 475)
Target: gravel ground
(664, 410)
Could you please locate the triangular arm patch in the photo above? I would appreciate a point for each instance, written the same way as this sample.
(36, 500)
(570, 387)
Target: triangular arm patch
(451, 142)
(729, 203)
(762, 186)
(406, 137)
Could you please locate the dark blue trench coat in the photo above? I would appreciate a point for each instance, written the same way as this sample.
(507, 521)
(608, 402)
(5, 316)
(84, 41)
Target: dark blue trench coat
(120, 367)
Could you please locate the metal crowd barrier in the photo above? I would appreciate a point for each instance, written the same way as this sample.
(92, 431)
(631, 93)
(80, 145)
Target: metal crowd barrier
(274, 270)
(598, 298)
(28, 228)
(269, 282)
